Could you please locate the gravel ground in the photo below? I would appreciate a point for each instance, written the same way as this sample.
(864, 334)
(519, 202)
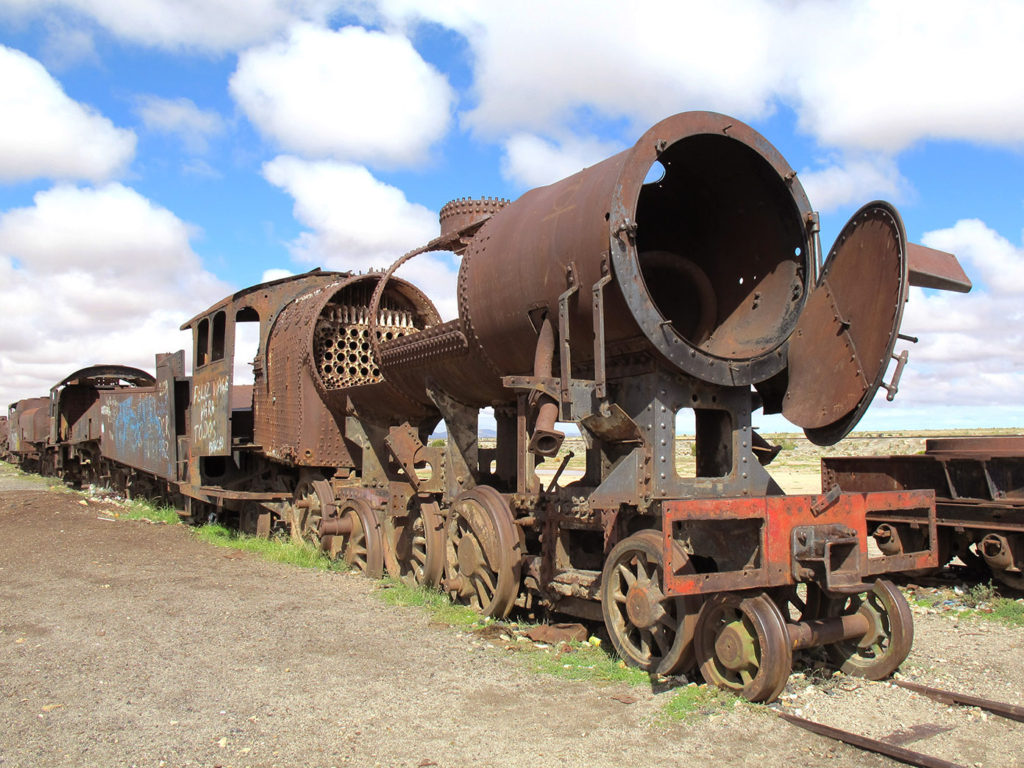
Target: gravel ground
(130, 644)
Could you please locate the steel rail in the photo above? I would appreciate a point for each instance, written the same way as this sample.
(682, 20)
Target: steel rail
(909, 756)
(1010, 711)
(903, 755)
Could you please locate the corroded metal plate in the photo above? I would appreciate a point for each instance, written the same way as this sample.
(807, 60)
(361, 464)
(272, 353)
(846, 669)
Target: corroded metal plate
(842, 344)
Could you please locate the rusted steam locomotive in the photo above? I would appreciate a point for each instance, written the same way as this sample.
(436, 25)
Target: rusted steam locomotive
(613, 300)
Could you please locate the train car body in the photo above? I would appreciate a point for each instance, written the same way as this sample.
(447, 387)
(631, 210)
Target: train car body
(28, 432)
(78, 426)
(979, 499)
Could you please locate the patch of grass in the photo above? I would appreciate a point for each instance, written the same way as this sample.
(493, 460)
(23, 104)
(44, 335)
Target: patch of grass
(697, 700)
(979, 594)
(977, 602)
(143, 509)
(585, 662)
(276, 550)
(1006, 611)
(441, 609)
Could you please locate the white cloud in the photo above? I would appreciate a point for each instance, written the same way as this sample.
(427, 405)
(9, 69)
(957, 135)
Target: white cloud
(92, 276)
(889, 74)
(275, 274)
(875, 75)
(43, 133)
(350, 94)
(532, 161)
(198, 25)
(65, 46)
(181, 117)
(854, 180)
(971, 349)
(537, 63)
(358, 223)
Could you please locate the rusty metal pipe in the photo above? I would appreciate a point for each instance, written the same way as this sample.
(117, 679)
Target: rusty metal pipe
(810, 634)
(545, 440)
(996, 550)
(336, 526)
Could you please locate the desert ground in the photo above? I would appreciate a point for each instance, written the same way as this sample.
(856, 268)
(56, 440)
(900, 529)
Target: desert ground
(124, 643)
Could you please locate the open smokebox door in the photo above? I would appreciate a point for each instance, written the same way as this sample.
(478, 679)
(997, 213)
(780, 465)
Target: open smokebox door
(844, 338)
(843, 341)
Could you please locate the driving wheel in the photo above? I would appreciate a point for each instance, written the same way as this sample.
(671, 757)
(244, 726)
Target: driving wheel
(415, 544)
(483, 552)
(312, 501)
(358, 539)
(648, 629)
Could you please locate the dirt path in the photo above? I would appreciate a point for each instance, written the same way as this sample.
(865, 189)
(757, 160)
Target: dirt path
(129, 644)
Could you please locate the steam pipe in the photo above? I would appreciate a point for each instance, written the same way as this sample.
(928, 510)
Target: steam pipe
(545, 440)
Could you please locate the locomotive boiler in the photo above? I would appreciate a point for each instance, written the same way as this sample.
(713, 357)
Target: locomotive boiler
(682, 277)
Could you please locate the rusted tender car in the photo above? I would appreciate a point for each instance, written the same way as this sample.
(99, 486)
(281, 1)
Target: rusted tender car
(28, 431)
(63, 433)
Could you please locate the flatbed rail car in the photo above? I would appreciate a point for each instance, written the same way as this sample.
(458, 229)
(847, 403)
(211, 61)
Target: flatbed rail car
(979, 499)
(616, 299)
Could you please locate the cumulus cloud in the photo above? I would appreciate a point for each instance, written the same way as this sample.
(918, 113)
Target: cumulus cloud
(350, 94)
(357, 222)
(847, 180)
(65, 45)
(275, 274)
(44, 133)
(181, 117)
(867, 76)
(971, 348)
(532, 161)
(889, 74)
(200, 25)
(93, 275)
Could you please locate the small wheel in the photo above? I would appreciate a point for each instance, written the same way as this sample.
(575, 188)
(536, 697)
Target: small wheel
(363, 546)
(415, 544)
(483, 553)
(648, 629)
(742, 645)
(801, 602)
(312, 500)
(878, 653)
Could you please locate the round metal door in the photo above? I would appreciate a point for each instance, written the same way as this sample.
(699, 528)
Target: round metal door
(843, 342)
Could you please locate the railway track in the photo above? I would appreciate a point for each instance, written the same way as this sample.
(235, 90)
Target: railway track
(897, 752)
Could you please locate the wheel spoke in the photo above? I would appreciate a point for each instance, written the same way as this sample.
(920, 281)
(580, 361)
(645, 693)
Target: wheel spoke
(645, 642)
(662, 641)
(627, 575)
(641, 570)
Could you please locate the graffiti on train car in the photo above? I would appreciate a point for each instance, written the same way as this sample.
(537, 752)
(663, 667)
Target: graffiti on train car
(209, 405)
(136, 424)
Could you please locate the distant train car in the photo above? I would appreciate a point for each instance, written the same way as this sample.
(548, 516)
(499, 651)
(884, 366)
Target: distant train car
(4, 447)
(979, 499)
(28, 433)
(76, 439)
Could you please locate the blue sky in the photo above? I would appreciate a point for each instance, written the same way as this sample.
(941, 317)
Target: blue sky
(157, 154)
